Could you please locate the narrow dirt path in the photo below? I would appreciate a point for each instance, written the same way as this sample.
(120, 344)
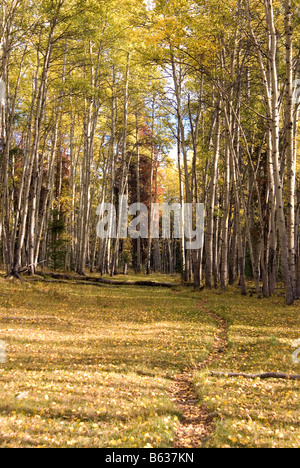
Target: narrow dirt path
(197, 422)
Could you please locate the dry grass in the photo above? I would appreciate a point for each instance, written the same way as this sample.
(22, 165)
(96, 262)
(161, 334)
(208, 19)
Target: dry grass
(254, 413)
(90, 367)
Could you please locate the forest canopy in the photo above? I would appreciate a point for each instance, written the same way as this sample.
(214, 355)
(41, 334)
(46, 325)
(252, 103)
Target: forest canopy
(167, 101)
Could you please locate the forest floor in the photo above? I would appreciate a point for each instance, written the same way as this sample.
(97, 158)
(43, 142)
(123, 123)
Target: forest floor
(100, 366)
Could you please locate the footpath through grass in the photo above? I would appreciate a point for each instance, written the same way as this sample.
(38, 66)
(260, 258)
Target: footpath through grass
(254, 413)
(91, 366)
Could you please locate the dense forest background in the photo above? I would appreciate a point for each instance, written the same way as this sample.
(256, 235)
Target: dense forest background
(166, 101)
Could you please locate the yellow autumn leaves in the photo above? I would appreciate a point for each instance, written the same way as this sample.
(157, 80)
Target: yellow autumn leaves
(91, 367)
(254, 413)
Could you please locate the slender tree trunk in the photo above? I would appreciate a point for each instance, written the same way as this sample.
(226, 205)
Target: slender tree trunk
(138, 194)
(149, 248)
(123, 182)
(156, 243)
(233, 255)
(289, 140)
(225, 222)
(211, 208)
(182, 240)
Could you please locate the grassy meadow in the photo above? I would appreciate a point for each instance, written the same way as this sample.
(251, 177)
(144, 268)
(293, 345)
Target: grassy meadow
(254, 413)
(90, 366)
